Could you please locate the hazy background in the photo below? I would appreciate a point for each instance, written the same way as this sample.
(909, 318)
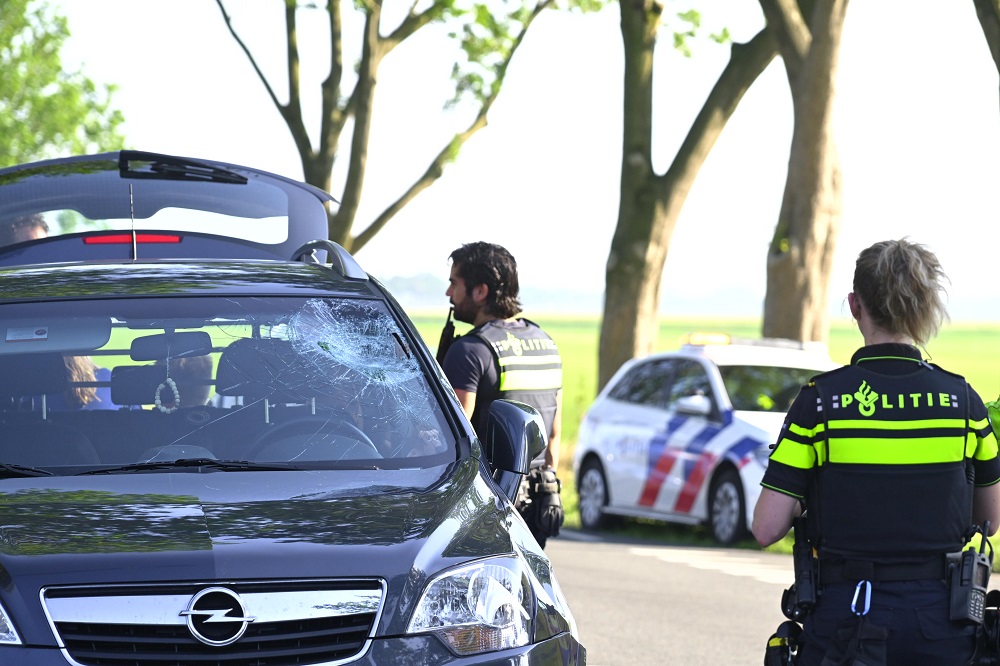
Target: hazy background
(917, 124)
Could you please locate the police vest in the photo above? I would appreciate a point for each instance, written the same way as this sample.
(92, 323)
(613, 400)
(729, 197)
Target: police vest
(894, 475)
(529, 368)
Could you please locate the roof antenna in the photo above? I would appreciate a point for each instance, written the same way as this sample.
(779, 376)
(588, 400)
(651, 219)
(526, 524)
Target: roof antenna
(131, 213)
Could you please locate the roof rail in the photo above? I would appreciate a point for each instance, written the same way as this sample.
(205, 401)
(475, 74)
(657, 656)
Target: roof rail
(339, 258)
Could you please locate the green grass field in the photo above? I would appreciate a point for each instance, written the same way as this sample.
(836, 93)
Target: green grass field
(962, 347)
(965, 348)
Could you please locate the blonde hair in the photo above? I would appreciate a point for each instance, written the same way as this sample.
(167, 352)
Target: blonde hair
(901, 285)
(80, 369)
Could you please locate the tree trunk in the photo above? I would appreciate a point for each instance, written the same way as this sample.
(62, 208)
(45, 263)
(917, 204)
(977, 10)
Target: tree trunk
(801, 253)
(988, 12)
(650, 204)
(629, 294)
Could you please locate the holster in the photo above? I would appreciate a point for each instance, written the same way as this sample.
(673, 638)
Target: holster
(540, 504)
(988, 635)
(799, 599)
(783, 645)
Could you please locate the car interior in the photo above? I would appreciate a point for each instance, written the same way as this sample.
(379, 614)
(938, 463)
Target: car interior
(267, 388)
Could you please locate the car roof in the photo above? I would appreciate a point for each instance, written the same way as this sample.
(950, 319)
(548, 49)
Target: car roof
(131, 205)
(726, 350)
(169, 278)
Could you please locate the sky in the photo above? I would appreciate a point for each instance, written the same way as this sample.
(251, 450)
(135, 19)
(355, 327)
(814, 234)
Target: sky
(917, 124)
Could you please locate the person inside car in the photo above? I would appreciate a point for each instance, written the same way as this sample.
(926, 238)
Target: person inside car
(192, 377)
(23, 229)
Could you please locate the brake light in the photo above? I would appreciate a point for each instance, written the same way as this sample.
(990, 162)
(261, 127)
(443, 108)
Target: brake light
(126, 239)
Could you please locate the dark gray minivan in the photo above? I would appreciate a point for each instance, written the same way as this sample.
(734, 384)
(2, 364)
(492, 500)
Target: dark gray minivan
(223, 443)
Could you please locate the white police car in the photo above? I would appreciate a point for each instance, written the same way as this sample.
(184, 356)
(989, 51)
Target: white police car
(684, 436)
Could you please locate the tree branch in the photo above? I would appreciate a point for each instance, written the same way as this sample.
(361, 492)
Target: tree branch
(253, 62)
(746, 62)
(988, 12)
(290, 113)
(408, 26)
(361, 107)
(333, 117)
(450, 152)
(790, 31)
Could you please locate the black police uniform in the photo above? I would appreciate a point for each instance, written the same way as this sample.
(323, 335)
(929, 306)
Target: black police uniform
(885, 454)
(513, 360)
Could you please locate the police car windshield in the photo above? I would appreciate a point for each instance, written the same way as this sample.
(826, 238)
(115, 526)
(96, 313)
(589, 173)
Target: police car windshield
(757, 388)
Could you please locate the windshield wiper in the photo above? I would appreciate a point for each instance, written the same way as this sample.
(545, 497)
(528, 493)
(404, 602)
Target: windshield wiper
(12, 470)
(194, 464)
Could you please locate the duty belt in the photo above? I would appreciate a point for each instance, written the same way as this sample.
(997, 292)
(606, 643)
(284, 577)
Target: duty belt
(832, 572)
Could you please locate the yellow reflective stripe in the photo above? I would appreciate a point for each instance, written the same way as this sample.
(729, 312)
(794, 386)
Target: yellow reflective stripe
(821, 455)
(985, 448)
(793, 454)
(808, 433)
(912, 450)
(542, 359)
(875, 424)
(530, 380)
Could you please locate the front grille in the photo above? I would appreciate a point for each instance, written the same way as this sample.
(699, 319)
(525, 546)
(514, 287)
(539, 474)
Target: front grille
(290, 626)
(306, 642)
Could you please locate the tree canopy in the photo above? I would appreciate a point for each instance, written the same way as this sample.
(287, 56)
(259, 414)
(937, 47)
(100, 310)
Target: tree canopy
(487, 34)
(46, 111)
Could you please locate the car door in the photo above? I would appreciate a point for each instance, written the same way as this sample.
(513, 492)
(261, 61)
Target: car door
(678, 460)
(631, 417)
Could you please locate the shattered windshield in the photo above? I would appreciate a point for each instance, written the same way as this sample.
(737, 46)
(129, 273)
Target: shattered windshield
(215, 383)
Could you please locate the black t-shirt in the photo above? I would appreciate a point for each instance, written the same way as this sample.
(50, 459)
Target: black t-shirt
(470, 366)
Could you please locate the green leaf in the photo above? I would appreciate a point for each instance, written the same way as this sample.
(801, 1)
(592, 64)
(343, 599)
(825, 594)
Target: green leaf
(46, 111)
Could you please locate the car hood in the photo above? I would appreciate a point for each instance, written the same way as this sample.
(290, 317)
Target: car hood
(397, 525)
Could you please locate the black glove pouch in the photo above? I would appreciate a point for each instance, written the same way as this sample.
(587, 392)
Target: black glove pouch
(857, 642)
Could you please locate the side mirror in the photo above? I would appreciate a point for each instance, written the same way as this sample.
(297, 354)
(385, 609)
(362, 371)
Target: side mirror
(515, 435)
(694, 405)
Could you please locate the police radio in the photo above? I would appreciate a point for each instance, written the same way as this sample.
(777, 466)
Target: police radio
(447, 337)
(968, 574)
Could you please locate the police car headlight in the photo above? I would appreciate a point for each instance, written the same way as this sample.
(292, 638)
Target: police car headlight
(479, 607)
(8, 635)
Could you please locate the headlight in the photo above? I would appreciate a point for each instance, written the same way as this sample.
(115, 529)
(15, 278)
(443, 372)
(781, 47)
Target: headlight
(479, 607)
(8, 634)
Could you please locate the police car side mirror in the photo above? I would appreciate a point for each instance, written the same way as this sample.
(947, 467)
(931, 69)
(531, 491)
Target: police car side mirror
(515, 435)
(694, 405)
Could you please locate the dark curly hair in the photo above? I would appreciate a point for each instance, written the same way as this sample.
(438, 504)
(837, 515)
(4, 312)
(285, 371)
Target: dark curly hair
(490, 264)
(10, 232)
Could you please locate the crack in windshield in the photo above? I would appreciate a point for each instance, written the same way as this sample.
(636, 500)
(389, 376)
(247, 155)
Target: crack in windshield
(311, 382)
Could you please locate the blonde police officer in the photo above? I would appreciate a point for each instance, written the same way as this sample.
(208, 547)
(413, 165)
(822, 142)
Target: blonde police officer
(894, 459)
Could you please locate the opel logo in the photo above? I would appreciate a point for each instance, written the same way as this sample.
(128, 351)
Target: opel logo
(216, 616)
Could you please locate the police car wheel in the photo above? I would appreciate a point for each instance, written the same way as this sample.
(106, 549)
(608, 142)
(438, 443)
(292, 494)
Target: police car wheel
(727, 508)
(592, 489)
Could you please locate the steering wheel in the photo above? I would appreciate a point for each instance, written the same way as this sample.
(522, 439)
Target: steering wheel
(324, 434)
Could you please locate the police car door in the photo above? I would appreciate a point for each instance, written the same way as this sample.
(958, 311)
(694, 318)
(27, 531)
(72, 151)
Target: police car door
(678, 462)
(629, 421)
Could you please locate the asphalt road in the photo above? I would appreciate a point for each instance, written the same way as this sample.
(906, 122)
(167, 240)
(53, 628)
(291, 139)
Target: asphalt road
(642, 604)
